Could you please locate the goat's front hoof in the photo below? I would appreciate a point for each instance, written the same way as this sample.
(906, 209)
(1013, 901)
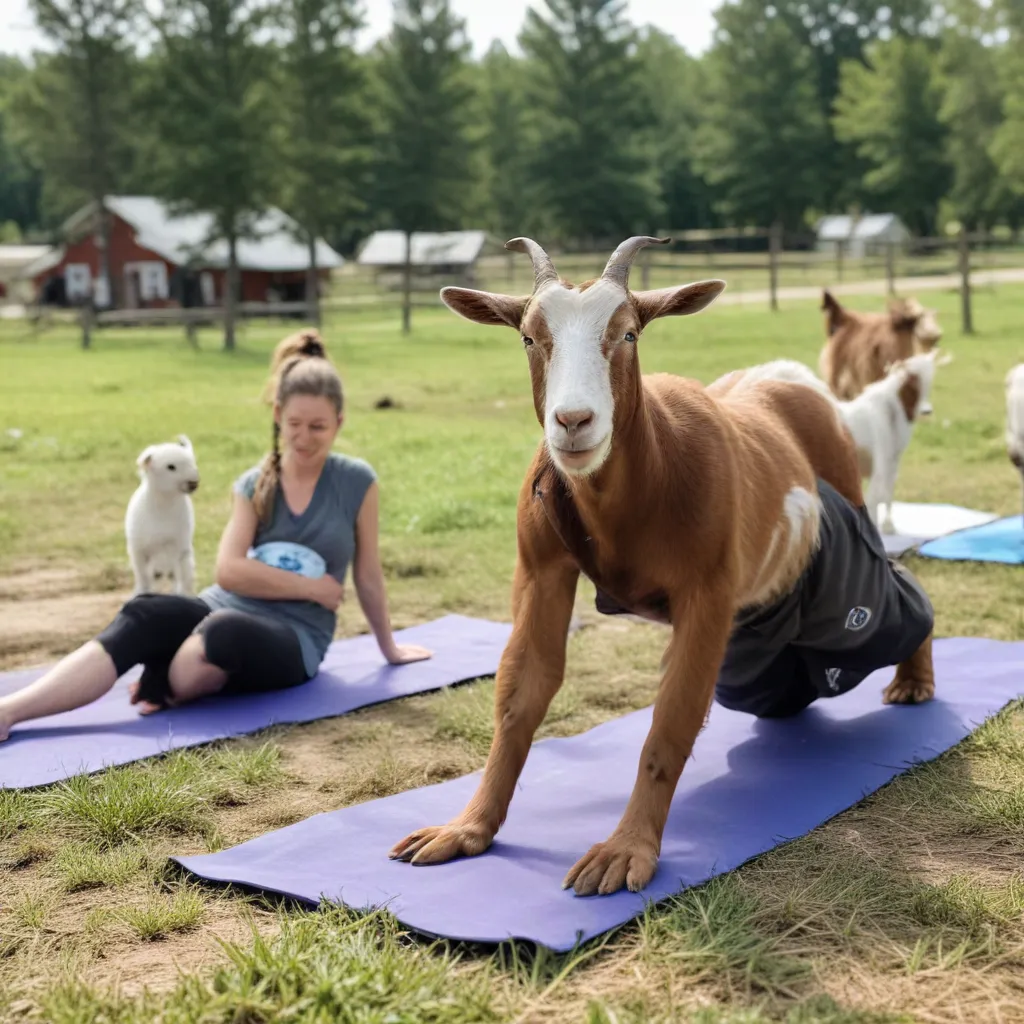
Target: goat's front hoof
(906, 689)
(440, 843)
(621, 860)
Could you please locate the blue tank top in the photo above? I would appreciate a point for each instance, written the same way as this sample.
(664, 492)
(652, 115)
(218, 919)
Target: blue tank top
(321, 539)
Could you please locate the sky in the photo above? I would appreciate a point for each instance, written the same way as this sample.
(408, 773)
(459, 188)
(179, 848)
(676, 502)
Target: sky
(689, 21)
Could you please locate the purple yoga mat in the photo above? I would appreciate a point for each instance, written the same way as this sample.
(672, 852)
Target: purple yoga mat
(750, 786)
(354, 675)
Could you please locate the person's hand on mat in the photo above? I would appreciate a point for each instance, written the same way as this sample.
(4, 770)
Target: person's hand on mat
(327, 591)
(404, 654)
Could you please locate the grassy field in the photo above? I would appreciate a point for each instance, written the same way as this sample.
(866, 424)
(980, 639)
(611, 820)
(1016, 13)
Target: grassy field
(909, 907)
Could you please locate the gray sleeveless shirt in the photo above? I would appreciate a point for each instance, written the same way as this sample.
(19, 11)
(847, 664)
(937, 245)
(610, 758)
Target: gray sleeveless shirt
(327, 527)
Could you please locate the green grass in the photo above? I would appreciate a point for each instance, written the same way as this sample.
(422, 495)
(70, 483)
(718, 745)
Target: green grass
(182, 911)
(861, 922)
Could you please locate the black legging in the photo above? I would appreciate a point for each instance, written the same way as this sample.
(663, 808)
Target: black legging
(257, 653)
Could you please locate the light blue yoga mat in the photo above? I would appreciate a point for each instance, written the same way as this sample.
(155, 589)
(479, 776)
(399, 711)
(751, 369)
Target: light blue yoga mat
(1001, 541)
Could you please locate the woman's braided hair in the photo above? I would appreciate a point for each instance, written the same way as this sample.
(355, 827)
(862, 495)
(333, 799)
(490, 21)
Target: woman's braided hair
(299, 366)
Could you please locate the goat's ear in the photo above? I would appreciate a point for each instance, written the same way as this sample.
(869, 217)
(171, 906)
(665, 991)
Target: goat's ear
(145, 458)
(486, 307)
(944, 360)
(184, 442)
(679, 301)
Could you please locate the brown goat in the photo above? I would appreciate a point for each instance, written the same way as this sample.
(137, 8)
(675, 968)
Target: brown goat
(683, 504)
(861, 346)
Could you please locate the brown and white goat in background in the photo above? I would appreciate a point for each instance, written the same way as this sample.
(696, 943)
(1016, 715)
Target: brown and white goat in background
(862, 346)
(682, 506)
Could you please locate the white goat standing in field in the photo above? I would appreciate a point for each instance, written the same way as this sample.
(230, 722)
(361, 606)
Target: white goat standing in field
(1015, 420)
(881, 418)
(160, 521)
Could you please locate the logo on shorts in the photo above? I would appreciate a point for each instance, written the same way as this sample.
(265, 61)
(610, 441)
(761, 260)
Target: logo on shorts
(858, 618)
(832, 678)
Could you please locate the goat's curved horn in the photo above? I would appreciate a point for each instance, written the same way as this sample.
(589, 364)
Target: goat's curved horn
(617, 267)
(543, 269)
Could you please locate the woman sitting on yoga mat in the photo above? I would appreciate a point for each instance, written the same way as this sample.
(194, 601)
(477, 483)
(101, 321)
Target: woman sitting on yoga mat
(299, 520)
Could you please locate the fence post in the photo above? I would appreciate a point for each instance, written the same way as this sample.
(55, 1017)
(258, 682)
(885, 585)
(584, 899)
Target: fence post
(890, 267)
(774, 245)
(87, 325)
(967, 324)
(645, 269)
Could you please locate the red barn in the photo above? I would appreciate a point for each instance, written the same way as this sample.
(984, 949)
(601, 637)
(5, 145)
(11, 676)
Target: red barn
(158, 259)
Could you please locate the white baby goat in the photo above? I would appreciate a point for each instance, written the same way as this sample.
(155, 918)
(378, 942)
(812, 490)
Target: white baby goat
(1015, 418)
(160, 522)
(881, 418)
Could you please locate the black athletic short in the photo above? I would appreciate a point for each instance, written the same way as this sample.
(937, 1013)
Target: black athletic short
(257, 653)
(853, 611)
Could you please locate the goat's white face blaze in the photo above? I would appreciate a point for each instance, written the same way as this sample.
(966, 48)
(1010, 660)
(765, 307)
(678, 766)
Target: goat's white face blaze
(578, 403)
(574, 367)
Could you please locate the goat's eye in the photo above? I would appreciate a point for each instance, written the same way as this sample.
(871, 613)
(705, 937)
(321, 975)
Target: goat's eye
(172, 468)
(629, 336)
(527, 341)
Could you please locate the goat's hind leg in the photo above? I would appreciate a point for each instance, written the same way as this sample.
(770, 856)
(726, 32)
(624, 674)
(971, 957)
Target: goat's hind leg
(914, 682)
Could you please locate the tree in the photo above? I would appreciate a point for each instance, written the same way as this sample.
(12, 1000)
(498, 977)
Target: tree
(762, 126)
(1007, 147)
(423, 149)
(833, 33)
(674, 89)
(890, 111)
(76, 114)
(325, 144)
(589, 164)
(507, 140)
(211, 117)
(21, 182)
(972, 111)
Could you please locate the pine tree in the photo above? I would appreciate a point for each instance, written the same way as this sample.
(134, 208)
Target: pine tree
(423, 160)
(890, 111)
(762, 123)
(210, 117)
(590, 165)
(324, 128)
(75, 113)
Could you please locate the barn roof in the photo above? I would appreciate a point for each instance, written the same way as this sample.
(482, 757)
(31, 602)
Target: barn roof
(840, 227)
(429, 248)
(50, 257)
(185, 238)
(18, 256)
(875, 224)
(836, 227)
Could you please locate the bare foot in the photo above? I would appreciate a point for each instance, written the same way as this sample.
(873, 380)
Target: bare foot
(908, 690)
(440, 843)
(620, 860)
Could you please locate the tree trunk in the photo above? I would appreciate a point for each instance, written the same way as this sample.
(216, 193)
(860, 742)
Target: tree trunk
(104, 222)
(774, 248)
(312, 282)
(407, 286)
(231, 292)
